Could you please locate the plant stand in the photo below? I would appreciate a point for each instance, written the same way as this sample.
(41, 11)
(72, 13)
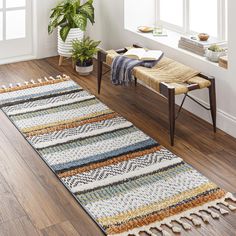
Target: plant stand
(62, 58)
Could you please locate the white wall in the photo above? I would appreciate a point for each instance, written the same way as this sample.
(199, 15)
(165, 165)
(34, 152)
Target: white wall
(109, 28)
(44, 45)
(132, 14)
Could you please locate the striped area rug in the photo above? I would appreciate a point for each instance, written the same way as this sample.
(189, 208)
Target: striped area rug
(126, 181)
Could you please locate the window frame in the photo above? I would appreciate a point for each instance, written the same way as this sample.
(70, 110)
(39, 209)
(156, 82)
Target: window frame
(185, 29)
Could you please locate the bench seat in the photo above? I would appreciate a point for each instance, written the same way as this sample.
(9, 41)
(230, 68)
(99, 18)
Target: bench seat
(152, 77)
(169, 78)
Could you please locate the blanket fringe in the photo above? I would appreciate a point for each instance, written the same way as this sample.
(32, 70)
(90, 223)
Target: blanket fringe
(37, 81)
(194, 215)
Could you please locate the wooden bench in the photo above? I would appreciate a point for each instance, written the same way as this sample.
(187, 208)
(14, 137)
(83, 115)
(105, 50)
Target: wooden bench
(168, 90)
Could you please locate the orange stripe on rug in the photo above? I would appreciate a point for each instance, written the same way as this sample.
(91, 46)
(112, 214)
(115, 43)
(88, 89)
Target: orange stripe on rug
(41, 127)
(72, 125)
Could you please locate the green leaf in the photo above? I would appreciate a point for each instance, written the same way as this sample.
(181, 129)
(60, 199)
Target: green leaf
(80, 21)
(71, 14)
(64, 32)
(85, 49)
(87, 9)
(50, 29)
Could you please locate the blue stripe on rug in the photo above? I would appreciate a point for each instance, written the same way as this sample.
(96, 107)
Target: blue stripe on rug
(103, 156)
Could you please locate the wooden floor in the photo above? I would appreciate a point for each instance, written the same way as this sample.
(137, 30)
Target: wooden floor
(34, 202)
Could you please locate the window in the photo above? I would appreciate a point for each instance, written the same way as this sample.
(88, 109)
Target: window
(194, 16)
(16, 35)
(12, 11)
(174, 15)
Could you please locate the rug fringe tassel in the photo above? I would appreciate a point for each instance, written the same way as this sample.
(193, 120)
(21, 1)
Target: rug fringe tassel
(38, 81)
(193, 215)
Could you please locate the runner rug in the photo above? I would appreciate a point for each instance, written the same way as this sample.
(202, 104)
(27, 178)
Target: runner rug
(126, 181)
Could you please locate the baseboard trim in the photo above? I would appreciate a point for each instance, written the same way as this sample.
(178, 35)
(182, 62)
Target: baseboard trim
(225, 121)
(17, 59)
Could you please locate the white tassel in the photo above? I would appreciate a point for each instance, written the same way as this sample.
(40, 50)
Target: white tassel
(231, 207)
(66, 76)
(214, 215)
(32, 81)
(45, 78)
(221, 210)
(4, 87)
(165, 233)
(232, 198)
(26, 82)
(58, 77)
(176, 229)
(51, 78)
(11, 85)
(159, 228)
(186, 226)
(169, 225)
(206, 218)
(18, 84)
(40, 80)
(196, 222)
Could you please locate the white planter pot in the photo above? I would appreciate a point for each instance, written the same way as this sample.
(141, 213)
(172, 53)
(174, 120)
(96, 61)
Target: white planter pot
(65, 48)
(84, 70)
(214, 56)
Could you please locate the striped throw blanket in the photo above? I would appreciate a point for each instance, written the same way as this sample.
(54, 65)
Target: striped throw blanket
(121, 68)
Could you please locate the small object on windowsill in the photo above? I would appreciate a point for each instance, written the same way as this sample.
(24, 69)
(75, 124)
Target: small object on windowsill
(159, 32)
(214, 52)
(203, 36)
(158, 29)
(223, 62)
(145, 29)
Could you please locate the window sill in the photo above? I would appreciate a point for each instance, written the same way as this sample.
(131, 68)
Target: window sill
(171, 41)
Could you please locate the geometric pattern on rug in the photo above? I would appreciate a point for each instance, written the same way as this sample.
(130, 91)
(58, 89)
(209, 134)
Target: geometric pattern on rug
(123, 178)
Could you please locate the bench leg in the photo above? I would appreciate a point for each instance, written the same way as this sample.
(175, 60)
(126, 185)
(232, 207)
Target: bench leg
(212, 98)
(99, 71)
(135, 81)
(171, 103)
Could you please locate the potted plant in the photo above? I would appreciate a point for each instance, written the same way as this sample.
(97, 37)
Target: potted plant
(82, 54)
(214, 52)
(70, 17)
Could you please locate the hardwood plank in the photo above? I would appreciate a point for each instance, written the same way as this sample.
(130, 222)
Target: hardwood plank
(19, 227)
(64, 228)
(10, 208)
(35, 200)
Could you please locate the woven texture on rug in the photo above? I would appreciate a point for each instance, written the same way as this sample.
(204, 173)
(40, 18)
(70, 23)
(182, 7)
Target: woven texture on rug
(124, 179)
